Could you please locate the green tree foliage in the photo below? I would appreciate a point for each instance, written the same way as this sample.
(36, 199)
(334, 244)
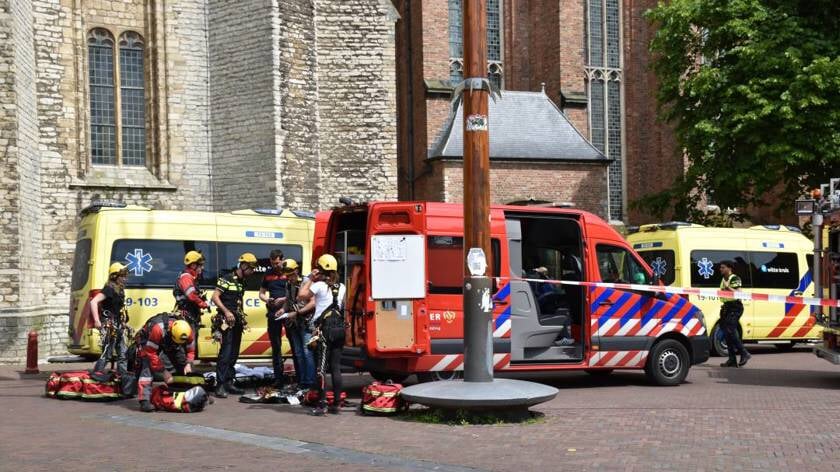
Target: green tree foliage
(752, 88)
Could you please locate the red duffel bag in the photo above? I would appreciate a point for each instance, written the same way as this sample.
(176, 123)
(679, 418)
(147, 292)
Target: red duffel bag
(190, 401)
(79, 385)
(311, 398)
(383, 399)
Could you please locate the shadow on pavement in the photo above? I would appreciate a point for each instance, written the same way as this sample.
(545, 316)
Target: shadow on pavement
(777, 377)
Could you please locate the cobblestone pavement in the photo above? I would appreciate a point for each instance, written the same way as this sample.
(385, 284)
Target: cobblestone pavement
(776, 414)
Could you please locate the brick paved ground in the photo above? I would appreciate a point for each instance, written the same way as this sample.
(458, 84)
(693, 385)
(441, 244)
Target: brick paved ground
(777, 414)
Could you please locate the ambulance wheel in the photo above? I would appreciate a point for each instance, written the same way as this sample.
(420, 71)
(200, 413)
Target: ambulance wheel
(599, 372)
(668, 363)
(384, 377)
(718, 342)
(439, 376)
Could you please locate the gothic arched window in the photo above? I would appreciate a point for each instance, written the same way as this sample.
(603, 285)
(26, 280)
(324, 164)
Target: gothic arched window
(103, 136)
(132, 99)
(117, 99)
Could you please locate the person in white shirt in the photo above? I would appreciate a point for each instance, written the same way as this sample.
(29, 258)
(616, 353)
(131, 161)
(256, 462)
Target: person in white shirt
(325, 299)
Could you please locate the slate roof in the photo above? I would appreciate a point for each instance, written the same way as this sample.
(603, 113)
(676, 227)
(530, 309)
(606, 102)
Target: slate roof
(523, 125)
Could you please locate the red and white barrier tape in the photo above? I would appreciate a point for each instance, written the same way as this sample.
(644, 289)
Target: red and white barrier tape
(708, 292)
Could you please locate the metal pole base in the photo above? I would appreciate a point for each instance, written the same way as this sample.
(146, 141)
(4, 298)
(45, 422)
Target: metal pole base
(496, 394)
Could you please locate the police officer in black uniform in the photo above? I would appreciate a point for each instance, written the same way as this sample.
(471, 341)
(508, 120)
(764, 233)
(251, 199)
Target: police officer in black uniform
(730, 315)
(229, 322)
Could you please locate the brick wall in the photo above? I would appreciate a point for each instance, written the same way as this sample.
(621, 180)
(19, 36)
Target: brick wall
(652, 159)
(357, 100)
(296, 96)
(242, 89)
(582, 184)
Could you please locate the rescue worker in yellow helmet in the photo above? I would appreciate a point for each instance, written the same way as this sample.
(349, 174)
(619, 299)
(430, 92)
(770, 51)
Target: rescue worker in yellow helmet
(229, 322)
(109, 316)
(162, 338)
(325, 300)
(189, 300)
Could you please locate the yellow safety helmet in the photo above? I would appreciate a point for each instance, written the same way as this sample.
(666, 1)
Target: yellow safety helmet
(327, 262)
(181, 331)
(193, 257)
(289, 265)
(249, 259)
(117, 268)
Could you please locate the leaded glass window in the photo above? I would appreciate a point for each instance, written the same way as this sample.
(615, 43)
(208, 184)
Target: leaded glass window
(495, 69)
(133, 100)
(103, 137)
(604, 76)
(117, 137)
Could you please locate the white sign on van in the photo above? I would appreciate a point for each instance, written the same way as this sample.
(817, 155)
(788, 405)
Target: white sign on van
(398, 268)
(773, 245)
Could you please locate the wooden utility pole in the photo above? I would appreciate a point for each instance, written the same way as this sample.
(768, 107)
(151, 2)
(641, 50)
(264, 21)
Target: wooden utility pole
(476, 130)
(478, 309)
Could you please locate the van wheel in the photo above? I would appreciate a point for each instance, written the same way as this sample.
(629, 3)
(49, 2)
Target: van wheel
(719, 342)
(598, 372)
(668, 363)
(380, 376)
(439, 376)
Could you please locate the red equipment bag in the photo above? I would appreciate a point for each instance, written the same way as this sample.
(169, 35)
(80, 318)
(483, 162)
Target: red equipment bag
(311, 398)
(190, 401)
(383, 399)
(79, 385)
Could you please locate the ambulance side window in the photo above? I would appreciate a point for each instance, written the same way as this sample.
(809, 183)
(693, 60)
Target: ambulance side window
(774, 270)
(705, 267)
(617, 265)
(229, 256)
(662, 263)
(157, 263)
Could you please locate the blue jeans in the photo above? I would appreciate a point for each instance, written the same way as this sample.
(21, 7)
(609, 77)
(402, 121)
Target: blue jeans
(304, 358)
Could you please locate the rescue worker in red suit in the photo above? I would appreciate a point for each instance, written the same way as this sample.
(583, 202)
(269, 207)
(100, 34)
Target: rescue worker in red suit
(162, 339)
(188, 299)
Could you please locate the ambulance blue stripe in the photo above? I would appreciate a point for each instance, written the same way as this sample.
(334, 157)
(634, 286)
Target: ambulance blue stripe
(622, 300)
(804, 282)
(504, 293)
(654, 310)
(637, 305)
(597, 303)
(673, 311)
(503, 317)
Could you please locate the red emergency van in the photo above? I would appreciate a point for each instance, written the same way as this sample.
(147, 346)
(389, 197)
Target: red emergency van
(402, 264)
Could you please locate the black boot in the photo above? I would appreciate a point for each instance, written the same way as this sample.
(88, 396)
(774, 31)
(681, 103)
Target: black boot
(146, 406)
(230, 387)
(730, 363)
(745, 356)
(220, 391)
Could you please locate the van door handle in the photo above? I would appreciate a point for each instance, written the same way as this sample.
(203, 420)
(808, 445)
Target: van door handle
(797, 293)
(606, 303)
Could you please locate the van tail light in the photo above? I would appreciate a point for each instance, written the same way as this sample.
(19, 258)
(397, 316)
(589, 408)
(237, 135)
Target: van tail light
(86, 314)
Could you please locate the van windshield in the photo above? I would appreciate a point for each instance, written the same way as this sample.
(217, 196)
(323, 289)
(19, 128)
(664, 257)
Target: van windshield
(81, 264)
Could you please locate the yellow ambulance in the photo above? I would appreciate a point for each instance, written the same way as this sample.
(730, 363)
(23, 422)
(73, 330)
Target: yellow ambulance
(772, 259)
(152, 244)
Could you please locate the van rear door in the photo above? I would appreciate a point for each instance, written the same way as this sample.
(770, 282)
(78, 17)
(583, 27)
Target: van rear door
(398, 277)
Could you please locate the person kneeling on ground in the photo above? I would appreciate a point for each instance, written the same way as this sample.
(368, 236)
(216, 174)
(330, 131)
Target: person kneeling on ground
(163, 338)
